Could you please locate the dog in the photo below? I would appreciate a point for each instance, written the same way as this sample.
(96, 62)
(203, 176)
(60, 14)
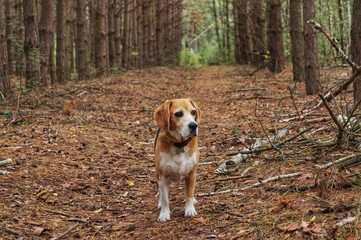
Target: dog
(176, 151)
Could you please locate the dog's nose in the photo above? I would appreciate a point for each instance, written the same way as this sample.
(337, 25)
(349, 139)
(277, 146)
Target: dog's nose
(193, 126)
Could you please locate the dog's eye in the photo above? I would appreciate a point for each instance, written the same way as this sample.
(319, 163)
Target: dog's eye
(193, 112)
(178, 114)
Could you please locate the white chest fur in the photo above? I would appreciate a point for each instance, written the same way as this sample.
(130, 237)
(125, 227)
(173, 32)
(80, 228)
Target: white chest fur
(177, 165)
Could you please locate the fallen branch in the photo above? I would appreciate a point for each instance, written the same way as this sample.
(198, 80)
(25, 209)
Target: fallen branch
(231, 165)
(275, 178)
(4, 172)
(262, 149)
(6, 161)
(334, 118)
(259, 183)
(291, 188)
(342, 162)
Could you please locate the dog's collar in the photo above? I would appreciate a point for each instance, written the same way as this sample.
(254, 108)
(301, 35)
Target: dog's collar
(179, 145)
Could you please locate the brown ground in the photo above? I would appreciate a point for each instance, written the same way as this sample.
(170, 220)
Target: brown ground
(83, 160)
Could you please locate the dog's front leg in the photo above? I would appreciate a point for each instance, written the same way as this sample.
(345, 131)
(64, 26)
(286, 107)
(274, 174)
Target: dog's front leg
(189, 209)
(163, 202)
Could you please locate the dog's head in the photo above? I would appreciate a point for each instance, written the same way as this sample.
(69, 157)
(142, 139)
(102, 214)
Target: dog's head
(180, 117)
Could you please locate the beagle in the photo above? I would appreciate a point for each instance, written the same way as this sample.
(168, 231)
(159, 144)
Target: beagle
(176, 151)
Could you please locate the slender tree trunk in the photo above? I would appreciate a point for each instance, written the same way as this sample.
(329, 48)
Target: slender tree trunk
(62, 67)
(5, 89)
(19, 40)
(160, 31)
(297, 41)
(125, 35)
(215, 15)
(312, 71)
(31, 44)
(275, 37)
(82, 43)
(117, 33)
(101, 37)
(243, 39)
(259, 33)
(228, 29)
(356, 46)
(111, 33)
(9, 17)
(46, 37)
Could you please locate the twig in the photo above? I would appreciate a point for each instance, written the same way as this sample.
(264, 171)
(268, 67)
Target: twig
(275, 178)
(6, 161)
(56, 212)
(259, 183)
(255, 164)
(262, 149)
(240, 157)
(334, 43)
(338, 124)
(342, 162)
(291, 188)
(68, 231)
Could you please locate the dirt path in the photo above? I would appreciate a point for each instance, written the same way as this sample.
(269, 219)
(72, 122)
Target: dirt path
(89, 169)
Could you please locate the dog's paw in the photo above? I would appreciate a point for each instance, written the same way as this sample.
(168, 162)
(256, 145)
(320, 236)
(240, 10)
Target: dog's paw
(164, 215)
(189, 210)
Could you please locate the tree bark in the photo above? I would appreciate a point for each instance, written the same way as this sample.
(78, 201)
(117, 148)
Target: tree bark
(46, 32)
(31, 44)
(356, 46)
(275, 37)
(259, 33)
(101, 37)
(9, 17)
(5, 89)
(62, 68)
(243, 43)
(297, 40)
(312, 71)
(82, 43)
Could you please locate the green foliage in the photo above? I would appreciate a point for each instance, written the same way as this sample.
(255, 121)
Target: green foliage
(190, 59)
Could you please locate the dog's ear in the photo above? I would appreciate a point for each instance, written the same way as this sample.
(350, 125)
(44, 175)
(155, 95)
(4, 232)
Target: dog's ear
(162, 115)
(198, 115)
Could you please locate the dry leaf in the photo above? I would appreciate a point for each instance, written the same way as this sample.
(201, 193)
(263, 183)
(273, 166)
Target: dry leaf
(130, 183)
(289, 227)
(38, 231)
(200, 220)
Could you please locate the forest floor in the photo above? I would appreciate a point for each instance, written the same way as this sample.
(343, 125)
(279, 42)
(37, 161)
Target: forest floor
(82, 160)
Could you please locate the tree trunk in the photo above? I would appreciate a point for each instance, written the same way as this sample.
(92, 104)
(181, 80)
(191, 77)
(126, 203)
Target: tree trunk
(46, 37)
(5, 89)
(62, 67)
(118, 33)
(243, 42)
(275, 37)
(9, 17)
(82, 44)
(215, 15)
(19, 39)
(101, 37)
(312, 71)
(297, 40)
(111, 33)
(356, 46)
(31, 44)
(259, 33)
(125, 35)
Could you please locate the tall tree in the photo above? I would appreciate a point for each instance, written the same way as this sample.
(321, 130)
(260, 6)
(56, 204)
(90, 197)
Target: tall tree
(243, 44)
(275, 43)
(312, 71)
(259, 32)
(46, 33)
(5, 89)
(297, 40)
(9, 17)
(356, 46)
(31, 44)
(82, 43)
(101, 37)
(63, 69)
(19, 39)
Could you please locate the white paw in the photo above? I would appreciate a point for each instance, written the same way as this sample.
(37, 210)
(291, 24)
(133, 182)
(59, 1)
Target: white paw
(189, 210)
(164, 215)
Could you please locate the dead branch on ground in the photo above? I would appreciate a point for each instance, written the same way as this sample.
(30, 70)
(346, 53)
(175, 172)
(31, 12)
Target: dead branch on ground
(6, 161)
(342, 162)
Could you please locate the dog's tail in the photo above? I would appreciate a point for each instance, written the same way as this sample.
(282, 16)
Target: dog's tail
(156, 137)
